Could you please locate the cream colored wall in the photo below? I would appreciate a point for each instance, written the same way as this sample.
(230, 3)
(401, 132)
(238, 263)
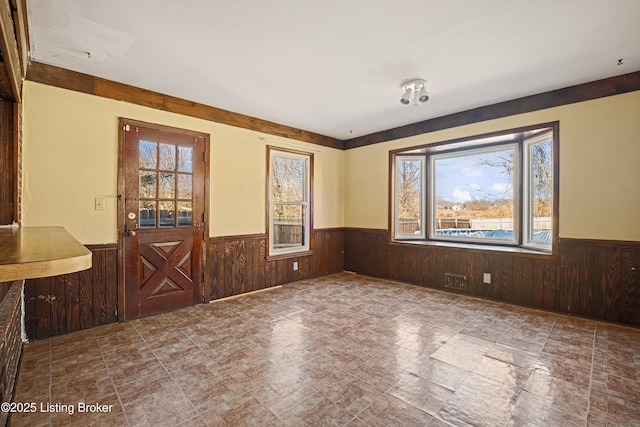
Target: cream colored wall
(70, 158)
(599, 171)
(70, 147)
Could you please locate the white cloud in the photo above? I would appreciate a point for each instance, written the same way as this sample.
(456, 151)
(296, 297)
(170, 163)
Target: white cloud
(500, 188)
(460, 195)
(475, 187)
(472, 171)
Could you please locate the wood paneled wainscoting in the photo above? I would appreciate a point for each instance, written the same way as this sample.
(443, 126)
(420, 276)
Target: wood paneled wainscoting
(71, 302)
(237, 264)
(10, 342)
(592, 278)
(4, 289)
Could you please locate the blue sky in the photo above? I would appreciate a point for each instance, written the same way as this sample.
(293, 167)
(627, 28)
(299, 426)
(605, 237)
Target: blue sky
(461, 179)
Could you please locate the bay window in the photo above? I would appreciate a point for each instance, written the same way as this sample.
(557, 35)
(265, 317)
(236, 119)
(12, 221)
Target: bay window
(498, 189)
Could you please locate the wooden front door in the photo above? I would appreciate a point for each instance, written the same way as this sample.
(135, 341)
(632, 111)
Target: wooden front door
(162, 217)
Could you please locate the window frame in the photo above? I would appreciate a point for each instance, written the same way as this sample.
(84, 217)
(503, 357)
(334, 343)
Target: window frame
(306, 203)
(517, 194)
(423, 195)
(523, 138)
(526, 188)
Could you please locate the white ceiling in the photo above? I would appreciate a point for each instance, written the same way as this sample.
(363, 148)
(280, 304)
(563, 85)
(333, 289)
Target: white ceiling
(335, 67)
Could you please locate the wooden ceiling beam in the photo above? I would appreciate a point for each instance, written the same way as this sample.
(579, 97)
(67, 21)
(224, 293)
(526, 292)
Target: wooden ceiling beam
(555, 98)
(55, 76)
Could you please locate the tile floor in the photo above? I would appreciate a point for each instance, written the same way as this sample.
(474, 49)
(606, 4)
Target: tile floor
(339, 350)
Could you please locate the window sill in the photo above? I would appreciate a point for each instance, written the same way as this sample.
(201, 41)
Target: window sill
(476, 247)
(289, 255)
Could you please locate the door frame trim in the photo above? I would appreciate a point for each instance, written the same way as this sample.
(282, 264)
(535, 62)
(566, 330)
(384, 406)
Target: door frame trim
(122, 122)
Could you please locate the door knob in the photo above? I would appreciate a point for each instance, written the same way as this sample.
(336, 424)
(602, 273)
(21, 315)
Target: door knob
(128, 232)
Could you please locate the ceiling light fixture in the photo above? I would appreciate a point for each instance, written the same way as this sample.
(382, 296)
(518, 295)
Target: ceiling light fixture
(414, 92)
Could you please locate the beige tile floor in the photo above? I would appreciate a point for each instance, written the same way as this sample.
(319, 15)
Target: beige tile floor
(339, 350)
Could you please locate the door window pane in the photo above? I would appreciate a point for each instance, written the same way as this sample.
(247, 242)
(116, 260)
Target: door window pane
(167, 214)
(147, 214)
(167, 185)
(185, 214)
(185, 186)
(148, 154)
(167, 157)
(148, 184)
(185, 159)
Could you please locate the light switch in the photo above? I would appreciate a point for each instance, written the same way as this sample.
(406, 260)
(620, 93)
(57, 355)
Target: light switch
(99, 203)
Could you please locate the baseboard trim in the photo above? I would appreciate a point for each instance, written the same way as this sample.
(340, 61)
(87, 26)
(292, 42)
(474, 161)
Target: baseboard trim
(245, 294)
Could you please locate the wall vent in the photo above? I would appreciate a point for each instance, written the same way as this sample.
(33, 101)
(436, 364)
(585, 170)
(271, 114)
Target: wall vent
(456, 282)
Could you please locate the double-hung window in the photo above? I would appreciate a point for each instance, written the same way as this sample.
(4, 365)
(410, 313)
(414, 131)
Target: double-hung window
(498, 189)
(289, 201)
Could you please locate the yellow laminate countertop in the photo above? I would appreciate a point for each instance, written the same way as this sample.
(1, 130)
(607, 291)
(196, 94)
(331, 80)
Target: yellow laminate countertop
(33, 252)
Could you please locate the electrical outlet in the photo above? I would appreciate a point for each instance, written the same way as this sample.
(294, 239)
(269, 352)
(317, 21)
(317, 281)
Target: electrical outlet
(486, 278)
(295, 265)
